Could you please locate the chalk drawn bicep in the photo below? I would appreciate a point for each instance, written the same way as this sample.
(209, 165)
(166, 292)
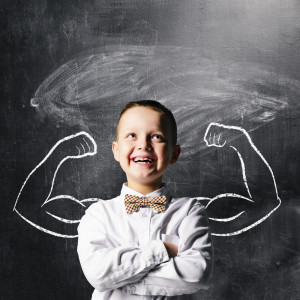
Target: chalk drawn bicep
(228, 207)
(37, 206)
(231, 214)
(67, 209)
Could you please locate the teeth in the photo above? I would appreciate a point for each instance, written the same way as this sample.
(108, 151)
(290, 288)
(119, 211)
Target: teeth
(143, 160)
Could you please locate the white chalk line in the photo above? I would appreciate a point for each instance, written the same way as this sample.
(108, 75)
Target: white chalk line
(243, 170)
(46, 230)
(228, 195)
(63, 219)
(227, 219)
(72, 157)
(91, 153)
(209, 144)
(51, 151)
(64, 197)
(224, 197)
(249, 140)
(250, 226)
(80, 202)
(211, 200)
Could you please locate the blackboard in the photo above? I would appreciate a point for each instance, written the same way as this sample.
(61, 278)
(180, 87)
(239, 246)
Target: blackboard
(69, 67)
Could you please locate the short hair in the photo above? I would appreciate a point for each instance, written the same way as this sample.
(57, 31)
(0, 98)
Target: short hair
(155, 105)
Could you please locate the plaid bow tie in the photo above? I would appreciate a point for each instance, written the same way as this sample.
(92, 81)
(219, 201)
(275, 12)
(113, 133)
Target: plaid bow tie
(133, 203)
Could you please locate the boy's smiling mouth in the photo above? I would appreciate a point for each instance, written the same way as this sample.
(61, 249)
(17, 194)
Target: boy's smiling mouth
(143, 160)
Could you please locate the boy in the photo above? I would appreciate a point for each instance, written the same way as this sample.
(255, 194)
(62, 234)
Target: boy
(229, 213)
(145, 243)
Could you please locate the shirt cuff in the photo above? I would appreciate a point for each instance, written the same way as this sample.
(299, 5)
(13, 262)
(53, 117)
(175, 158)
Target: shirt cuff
(155, 253)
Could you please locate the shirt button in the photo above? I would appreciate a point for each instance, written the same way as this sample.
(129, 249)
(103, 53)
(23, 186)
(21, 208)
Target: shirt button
(148, 263)
(132, 289)
(163, 292)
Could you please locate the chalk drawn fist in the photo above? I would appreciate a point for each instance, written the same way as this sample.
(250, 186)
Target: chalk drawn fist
(219, 135)
(77, 145)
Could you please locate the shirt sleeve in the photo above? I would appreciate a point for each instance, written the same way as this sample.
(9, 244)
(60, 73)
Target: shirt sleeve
(188, 272)
(108, 267)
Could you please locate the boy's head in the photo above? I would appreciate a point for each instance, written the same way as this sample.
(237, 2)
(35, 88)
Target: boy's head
(145, 143)
(157, 107)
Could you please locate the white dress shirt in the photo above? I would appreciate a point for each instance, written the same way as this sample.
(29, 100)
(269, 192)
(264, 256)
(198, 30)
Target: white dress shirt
(123, 256)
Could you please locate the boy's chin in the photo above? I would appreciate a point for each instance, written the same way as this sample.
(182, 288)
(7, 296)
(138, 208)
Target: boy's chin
(147, 180)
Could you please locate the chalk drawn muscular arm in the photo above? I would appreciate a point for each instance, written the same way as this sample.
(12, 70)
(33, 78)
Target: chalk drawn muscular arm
(31, 204)
(230, 213)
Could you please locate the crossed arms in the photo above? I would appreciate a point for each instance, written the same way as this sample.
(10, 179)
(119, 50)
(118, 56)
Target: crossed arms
(145, 269)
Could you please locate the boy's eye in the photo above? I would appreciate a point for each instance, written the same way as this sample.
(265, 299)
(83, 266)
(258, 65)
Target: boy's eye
(158, 137)
(131, 135)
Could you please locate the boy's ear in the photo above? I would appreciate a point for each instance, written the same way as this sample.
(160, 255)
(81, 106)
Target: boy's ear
(115, 150)
(175, 154)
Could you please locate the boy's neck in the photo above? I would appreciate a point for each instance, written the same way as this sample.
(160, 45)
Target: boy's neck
(145, 188)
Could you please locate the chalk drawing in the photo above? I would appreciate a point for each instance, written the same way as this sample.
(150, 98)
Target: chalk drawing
(212, 139)
(85, 91)
(84, 150)
(215, 136)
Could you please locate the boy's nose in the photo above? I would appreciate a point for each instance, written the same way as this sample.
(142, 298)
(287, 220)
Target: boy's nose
(145, 144)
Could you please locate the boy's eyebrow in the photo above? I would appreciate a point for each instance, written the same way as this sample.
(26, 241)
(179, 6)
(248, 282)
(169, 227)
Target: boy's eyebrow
(128, 131)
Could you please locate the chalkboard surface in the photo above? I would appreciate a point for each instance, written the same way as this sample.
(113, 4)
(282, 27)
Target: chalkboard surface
(230, 67)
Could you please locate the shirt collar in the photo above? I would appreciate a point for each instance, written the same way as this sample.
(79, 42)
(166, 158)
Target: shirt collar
(160, 192)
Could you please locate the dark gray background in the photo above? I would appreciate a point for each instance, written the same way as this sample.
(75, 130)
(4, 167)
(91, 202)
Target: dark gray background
(235, 62)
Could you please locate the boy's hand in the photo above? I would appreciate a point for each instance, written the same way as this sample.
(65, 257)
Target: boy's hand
(219, 135)
(171, 249)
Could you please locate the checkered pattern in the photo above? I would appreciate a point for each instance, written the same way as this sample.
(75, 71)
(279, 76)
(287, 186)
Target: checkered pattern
(133, 203)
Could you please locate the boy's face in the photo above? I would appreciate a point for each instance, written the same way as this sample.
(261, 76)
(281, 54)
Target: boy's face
(144, 146)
